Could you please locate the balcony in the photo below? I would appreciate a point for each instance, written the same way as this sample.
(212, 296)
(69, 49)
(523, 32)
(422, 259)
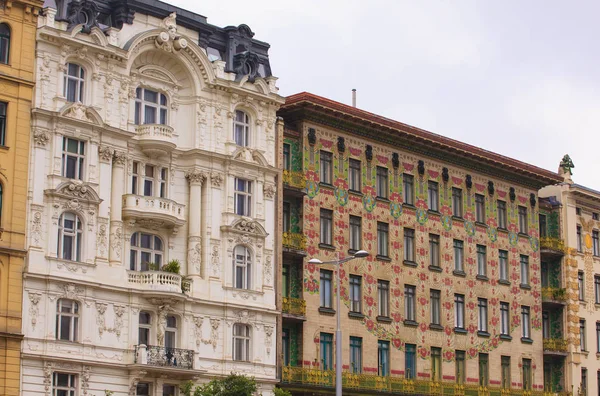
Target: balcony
(294, 241)
(371, 383)
(294, 179)
(155, 139)
(556, 345)
(157, 356)
(158, 281)
(293, 306)
(552, 245)
(554, 295)
(153, 212)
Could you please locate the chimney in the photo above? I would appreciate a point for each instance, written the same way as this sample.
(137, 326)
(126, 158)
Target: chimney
(353, 97)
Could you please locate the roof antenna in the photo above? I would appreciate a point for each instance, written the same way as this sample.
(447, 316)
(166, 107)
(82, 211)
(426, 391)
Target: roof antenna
(353, 97)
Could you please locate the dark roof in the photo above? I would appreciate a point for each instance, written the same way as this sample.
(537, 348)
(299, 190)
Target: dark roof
(319, 109)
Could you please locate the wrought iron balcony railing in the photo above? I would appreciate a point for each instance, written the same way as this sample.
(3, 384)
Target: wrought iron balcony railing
(294, 241)
(397, 385)
(552, 243)
(164, 357)
(555, 345)
(295, 179)
(294, 306)
(554, 294)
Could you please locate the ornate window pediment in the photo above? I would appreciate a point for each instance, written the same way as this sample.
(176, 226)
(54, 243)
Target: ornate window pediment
(73, 189)
(246, 226)
(248, 155)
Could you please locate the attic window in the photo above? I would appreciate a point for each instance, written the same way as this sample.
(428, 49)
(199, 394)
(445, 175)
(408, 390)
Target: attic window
(213, 54)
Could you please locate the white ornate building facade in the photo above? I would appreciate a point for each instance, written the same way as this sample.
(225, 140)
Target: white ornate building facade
(154, 143)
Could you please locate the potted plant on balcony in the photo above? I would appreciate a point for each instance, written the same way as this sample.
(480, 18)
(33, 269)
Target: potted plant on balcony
(172, 266)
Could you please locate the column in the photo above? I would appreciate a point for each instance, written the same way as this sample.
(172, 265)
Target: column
(116, 208)
(194, 258)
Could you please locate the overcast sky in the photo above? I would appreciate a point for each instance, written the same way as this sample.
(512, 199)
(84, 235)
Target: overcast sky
(520, 78)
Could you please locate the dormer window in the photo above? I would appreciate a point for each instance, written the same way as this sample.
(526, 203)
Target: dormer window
(74, 83)
(150, 107)
(241, 128)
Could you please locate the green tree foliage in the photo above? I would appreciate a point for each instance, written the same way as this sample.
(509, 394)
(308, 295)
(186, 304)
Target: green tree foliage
(233, 385)
(281, 392)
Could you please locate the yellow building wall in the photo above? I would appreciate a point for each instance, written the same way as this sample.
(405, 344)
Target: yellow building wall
(16, 89)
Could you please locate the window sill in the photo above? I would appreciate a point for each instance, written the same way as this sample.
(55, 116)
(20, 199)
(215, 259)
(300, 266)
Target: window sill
(409, 263)
(483, 334)
(434, 212)
(504, 282)
(323, 184)
(459, 273)
(384, 319)
(525, 286)
(505, 337)
(436, 327)
(458, 218)
(382, 199)
(355, 192)
(526, 340)
(502, 229)
(460, 330)
(4, 148)
(326, 311)
(482, 278)
(481, 224)
(523, 234)
(409, 205)
(326, 246)
(383, 258)
(355, 315)
(410, 323)
(435, 268)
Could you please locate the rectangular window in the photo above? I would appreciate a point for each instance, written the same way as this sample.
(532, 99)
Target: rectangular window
(459, 311)
(356, 354)
(325, 288)
(409, 245)
(579, 240)
(382, 182)
(355, 293)
(581, 285)
(595, 243)
(409, 303)
(163, 182)
(460, 367)
(584, 381)
(504, 319)
(501, 214)
(383, 298)
(525, 322)
(432, 196)
(527, 374)
(326, 220)
(484, 369)
(595, 216)
(382, 239)
(410, 362)
(597, 288)
(287, 157)
(481, 260)
(545, 324)
(326, 167)
(326, 344)
(354, 175)
(383, 358)
(459, 256)
(135, 169)
(582, 335)
(503, 264)
(543, 226)
(73, 154)
(64, 384)
(457, 205)
(435, 301)
(3, 106)
(436, 364)
(524, 270)
(482, 323)
(148, 180)
(287, 217)
(285, 280)
(434, 250)
(522, 219)
(597, 337)
(408, 183)
(243, 197)
(355, 233)
(505, 372)
(142, 389)
(479, 208)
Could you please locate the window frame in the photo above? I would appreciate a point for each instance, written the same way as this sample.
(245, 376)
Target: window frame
(434, 251)
(458, 247)
(75, 234)
(525, 322)
(503, 267)
(382, 182)
(459, 311)
(355, 236)
(72, 384)
(582, 335)
(354, 175)
(501, 212)
(326, 167)
(522, 216)
(581, 285)
(410, 308)
(356, 360)
(5, 41)
(484, 369)
(480, 208)
(460, 366)
(287, 156)
(482, 315)
(410, 361)
(78, 157)
(595, 243)
(326, 288)
(242, 197)
(527, 374)
(242, 268)
(383, 239)
(433, 196)
(355, 293)
(383, 358)
(241, 128)
(481, 261)
(409, 245)
(171, 332)
(383, 298)
(504, 318)
(157, 255)
(144, 327)
(457, 202)
(524, 269)
(436, 361)
(505, 372)
(597, 288)
(3, 114)
(408, 189)
(579, 239)
(78, 79)
(160, 110)
(242, 340)
(435, 298)
(326, 226)
(326, 350)
(73, 317)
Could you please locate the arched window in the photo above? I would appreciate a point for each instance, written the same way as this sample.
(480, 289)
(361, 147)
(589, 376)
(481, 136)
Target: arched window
(150, 107)
(241, 128)
(74, 83)
(144, 326)
(146, 252)
(171, 332)
(1, 201)
(241, 342)
(70, 232)
(4, 43)
(67, 320)
(242, 267)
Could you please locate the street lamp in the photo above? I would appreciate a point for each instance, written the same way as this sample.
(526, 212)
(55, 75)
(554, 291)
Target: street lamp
(338, 331)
